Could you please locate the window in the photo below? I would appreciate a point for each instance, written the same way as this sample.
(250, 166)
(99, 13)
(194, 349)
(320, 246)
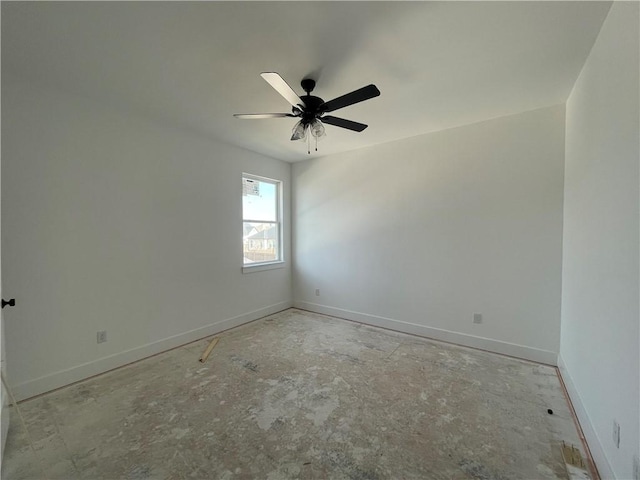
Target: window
(262, 227)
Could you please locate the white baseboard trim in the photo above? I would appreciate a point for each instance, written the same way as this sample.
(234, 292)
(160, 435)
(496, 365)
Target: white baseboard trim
(496, 346)
(80, 372)
(590, 435)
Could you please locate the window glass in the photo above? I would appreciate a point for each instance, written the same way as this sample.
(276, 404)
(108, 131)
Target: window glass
(260, 201)
(261, 236)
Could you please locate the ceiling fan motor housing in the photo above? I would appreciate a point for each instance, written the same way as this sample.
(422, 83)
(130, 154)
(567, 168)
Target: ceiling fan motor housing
(311, 108)
(312, 104)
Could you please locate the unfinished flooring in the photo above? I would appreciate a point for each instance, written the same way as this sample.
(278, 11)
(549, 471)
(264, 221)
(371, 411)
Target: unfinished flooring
(301, 395)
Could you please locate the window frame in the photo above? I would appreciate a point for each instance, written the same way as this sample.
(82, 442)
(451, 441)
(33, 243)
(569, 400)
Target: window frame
(270, 264)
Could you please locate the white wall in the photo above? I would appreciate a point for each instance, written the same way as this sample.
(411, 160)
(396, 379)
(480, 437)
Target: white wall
(419, 234)
(113, 222)
(4, 395)
(599, 350)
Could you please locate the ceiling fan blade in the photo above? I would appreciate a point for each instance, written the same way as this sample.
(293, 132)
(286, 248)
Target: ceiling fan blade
(282, 87)
(257, 116)
(341, 122)
(360, 95)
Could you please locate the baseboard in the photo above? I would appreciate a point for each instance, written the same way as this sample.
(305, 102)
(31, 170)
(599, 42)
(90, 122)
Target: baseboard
(591, 437)
(496, 346)
(71, 375)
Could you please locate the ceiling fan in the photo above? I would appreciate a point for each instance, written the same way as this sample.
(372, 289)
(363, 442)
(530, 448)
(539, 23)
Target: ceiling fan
(312, 110)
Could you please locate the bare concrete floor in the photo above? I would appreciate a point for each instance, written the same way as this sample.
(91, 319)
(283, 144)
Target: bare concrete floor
(300, 395)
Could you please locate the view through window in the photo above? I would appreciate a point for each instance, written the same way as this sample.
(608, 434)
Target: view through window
(261, 220)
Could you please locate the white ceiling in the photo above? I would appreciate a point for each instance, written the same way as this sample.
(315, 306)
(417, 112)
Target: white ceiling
(194, 64)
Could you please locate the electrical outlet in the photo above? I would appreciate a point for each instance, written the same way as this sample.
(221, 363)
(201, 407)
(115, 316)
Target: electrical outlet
(616, 434)
(317, 292)
(477, 318)
(636, 467)
(102, 336)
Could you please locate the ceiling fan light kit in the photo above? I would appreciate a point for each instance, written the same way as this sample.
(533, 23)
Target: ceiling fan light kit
(304, 131)
(311, 109)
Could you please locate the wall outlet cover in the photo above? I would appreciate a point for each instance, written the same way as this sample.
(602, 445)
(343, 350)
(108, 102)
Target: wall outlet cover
(477, 318)
(102, 336)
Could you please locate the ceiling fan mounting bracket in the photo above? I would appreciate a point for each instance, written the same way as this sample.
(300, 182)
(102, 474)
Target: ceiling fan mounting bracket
(308, 84)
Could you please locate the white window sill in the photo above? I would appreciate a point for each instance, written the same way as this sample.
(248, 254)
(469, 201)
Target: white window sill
(261, 267)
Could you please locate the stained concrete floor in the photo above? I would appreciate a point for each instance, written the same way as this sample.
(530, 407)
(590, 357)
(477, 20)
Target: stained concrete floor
(301, 395)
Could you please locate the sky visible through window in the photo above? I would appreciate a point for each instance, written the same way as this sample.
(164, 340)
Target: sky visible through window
(263, 206)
